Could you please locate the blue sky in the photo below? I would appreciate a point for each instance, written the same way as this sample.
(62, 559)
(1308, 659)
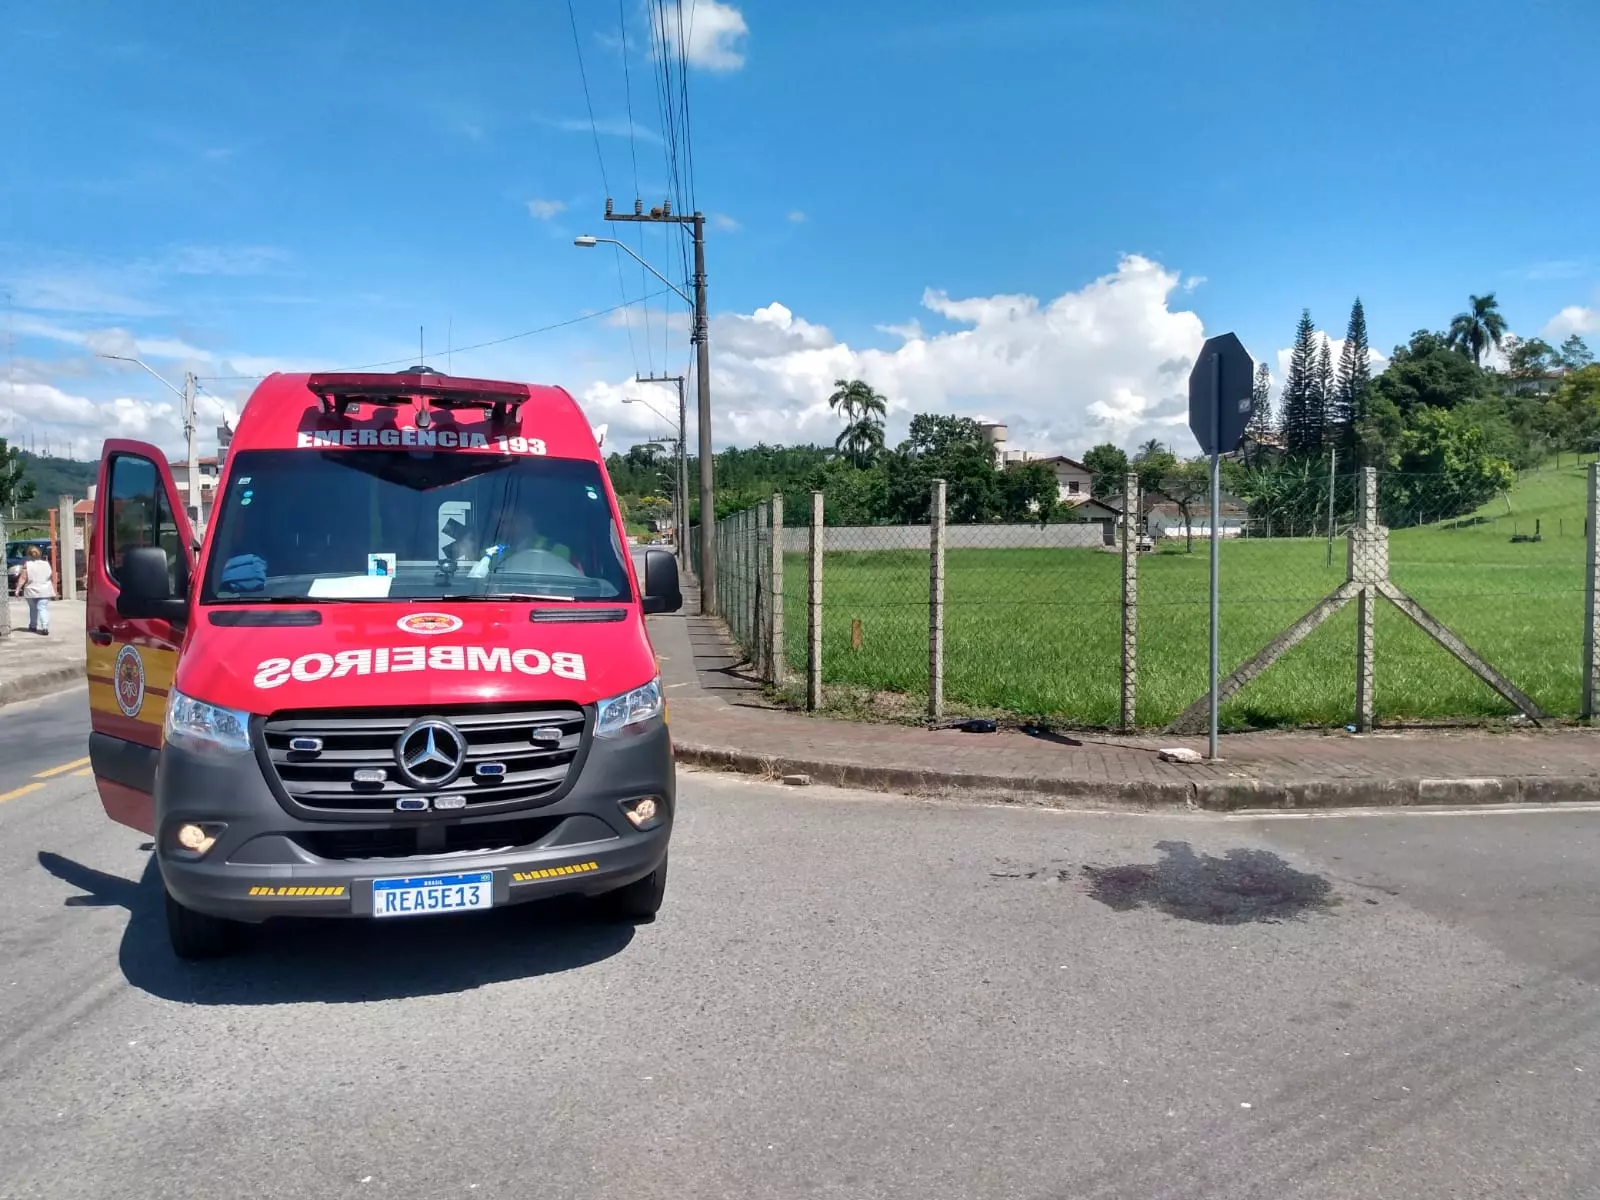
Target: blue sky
(232, 189)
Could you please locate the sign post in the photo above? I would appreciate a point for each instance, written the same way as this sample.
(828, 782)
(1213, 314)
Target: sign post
(1220, 407)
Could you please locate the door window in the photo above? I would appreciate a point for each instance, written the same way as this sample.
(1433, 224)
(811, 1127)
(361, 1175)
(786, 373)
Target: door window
(138, 515)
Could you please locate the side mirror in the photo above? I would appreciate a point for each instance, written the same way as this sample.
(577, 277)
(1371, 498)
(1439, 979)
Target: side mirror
(661, 591)
(146, 587)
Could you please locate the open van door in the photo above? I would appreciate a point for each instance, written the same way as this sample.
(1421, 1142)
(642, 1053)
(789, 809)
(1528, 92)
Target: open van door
(131, 661)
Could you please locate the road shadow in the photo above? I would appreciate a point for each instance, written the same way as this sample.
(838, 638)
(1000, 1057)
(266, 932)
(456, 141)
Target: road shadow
(345, 961)
(1240, 887)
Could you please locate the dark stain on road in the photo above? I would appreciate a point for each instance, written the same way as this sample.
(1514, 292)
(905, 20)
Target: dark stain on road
(1240, 887)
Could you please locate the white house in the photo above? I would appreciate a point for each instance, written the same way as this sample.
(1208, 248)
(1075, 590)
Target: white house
(1074, 481)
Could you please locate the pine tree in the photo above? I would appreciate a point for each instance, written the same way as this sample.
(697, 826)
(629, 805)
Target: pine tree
(1327, 397)
(1261, 425)
(1355, 377)
(1302, 406)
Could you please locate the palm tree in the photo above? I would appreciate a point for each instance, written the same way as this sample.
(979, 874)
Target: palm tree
(862, 440)
(864, 411)
(1150, 449)
(855, 398)
(1480, 327)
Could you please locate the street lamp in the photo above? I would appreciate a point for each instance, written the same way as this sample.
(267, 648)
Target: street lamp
(702, 342)
(187, 395)
(647, 404)
(589, 239)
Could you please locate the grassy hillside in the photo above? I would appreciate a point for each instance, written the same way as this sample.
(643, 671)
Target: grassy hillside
(52, 478)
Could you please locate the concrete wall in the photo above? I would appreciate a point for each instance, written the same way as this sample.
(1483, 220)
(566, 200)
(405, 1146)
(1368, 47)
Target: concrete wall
(1084, 535)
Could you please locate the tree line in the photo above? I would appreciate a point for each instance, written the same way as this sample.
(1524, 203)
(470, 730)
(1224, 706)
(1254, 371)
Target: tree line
(1446, 431)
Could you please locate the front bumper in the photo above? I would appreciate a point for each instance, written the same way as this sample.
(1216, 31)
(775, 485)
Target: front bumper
(266, 863)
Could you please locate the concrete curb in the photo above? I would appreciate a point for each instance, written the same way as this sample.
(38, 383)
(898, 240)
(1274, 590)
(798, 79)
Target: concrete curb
(1207, 795)
(41, 683)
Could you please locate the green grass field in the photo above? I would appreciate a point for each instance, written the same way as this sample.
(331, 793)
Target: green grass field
(1037, 632)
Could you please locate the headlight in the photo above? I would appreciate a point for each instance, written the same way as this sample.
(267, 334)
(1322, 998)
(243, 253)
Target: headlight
(630, 708)
(201, 726)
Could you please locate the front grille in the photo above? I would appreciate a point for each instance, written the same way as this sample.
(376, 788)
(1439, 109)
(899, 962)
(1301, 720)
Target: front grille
(408, 840)
(535, 745)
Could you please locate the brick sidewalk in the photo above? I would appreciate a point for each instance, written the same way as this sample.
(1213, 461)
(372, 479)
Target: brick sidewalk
(720, 720)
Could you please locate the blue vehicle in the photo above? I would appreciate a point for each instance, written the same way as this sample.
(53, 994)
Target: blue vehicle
(17, 554)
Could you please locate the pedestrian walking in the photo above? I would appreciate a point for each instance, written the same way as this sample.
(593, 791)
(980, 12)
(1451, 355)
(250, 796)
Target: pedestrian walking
(36, 583)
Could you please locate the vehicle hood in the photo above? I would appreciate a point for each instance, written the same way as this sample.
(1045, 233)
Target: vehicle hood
(267, 659)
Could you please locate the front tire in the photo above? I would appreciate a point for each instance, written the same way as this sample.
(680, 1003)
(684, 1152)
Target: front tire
(641, 900)
(195, 935)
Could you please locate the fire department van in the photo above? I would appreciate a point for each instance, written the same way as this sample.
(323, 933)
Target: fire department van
(404, 673)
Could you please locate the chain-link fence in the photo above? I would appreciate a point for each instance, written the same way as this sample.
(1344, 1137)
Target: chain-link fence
(1099, 615)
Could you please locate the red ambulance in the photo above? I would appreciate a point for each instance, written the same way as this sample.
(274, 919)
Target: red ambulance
(405, 672)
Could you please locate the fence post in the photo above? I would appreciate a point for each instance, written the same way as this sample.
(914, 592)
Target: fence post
(1130, 599)
(1591, 598)
(752, 536)
(5, 600)
(936, 603)
(1366, 605)
(814, 609)
(777, 664)
(758, 593)
(69, 553)
(742, 594)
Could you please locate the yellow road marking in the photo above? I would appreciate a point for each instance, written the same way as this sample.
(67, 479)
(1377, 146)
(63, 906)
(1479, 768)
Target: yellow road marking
(61, 770)
(85, 771)
(21, 791)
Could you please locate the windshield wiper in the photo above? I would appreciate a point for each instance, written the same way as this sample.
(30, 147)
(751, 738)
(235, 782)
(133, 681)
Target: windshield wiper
(510, 596)
(249, 600)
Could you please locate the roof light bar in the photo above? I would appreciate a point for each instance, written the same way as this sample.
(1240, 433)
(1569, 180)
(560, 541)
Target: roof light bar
(336, 389)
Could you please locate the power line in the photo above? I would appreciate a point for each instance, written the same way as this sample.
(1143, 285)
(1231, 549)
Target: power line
(633, 151)
(500, 341)
(669, 99)
(594, 130)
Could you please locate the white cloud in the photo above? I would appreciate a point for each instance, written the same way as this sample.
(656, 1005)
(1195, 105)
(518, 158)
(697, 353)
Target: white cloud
(1555, 269)
(543, 210)
(225, 260)
(1109, 361)
(637, 318)
(1572, 319)
(909, 331)
(606, 127)
(725, 223)
(1376, 362)
(798, 217)
(713, 36)
(70, 291)
(37, 413)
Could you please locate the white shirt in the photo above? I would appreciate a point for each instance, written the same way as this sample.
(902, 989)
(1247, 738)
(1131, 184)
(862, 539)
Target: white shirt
(37, 577)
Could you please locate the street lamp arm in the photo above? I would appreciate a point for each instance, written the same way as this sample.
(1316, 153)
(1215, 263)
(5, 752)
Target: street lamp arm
(587, 240)
(139, 362)
(651, 407)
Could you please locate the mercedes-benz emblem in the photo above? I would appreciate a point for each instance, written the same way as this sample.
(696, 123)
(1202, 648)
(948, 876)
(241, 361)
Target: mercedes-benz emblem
(430, 753)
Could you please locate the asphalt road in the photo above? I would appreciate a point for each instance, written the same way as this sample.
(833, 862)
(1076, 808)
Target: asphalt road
(844, 997)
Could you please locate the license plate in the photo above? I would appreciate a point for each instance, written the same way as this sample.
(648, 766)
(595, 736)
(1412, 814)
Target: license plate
(426, 894)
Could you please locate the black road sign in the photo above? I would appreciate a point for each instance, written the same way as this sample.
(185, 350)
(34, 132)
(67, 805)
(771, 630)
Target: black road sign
(1219, 394)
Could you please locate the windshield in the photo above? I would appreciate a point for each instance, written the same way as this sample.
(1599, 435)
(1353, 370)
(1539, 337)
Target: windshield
(413, 525)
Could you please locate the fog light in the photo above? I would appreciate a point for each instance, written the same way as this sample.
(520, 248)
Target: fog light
(644, 812)
(195, 840)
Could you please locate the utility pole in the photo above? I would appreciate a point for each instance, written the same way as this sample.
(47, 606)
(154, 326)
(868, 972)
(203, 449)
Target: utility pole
(708, 508)
(197, 511)
(190, 430)
(681, 516)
